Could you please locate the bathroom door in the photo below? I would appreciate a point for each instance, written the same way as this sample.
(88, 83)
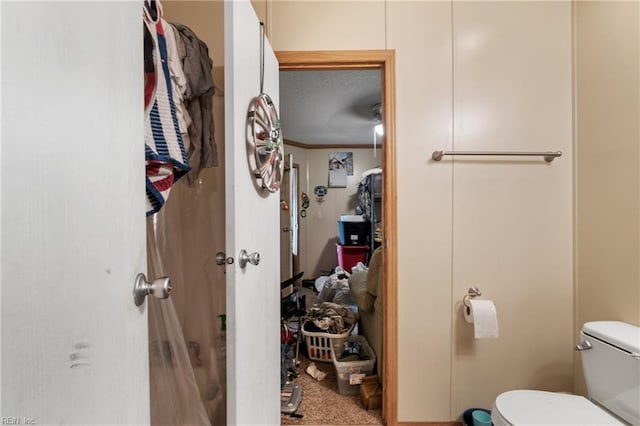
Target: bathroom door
(253, 292)
(73, 344)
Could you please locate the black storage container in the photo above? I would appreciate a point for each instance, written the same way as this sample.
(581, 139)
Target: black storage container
(354, 233)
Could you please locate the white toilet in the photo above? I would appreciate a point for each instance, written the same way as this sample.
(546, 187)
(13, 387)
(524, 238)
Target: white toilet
(611, 364)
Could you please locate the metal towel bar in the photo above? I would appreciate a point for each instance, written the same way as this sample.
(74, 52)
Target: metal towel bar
(548, 155)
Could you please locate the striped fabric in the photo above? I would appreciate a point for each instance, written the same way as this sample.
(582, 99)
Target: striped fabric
(166, 159)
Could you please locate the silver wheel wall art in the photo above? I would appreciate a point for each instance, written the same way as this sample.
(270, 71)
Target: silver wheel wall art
(264, 142)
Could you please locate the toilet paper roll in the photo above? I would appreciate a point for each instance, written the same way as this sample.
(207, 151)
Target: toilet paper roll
(483, 315)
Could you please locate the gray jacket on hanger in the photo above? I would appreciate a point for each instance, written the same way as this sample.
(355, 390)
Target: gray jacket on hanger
(197, 67)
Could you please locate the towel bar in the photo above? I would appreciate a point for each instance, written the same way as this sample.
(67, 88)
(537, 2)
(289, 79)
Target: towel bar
(548, 155)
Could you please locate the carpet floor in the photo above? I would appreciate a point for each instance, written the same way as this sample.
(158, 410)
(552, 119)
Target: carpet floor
(322, 403)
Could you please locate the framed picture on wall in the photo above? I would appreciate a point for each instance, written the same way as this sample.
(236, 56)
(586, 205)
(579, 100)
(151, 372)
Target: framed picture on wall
(340, 166)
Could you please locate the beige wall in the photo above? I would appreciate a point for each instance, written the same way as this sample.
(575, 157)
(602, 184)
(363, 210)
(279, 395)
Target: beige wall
(319, 230)
(326, 25)
(503, 225)
(512, 224)
(423, 124)
(608, 163)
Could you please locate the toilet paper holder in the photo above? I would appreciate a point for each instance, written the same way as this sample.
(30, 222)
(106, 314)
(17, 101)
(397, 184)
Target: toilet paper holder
(471, 293)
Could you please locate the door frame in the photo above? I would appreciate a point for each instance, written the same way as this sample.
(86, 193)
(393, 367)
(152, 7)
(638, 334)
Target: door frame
(384, 60)
(296, 259)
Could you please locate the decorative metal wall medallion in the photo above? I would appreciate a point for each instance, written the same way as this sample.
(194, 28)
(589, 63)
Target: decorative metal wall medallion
(265, 144)
(264, 135)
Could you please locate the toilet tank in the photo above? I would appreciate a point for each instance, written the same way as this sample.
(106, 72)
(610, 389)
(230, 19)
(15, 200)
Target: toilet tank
(612, 367)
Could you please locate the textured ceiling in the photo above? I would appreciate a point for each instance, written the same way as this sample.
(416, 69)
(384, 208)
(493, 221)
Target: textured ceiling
(329, 106)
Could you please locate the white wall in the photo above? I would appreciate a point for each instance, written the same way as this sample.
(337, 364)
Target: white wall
(486, 76)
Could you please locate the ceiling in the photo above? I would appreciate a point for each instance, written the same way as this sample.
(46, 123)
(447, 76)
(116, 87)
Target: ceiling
(329, 107)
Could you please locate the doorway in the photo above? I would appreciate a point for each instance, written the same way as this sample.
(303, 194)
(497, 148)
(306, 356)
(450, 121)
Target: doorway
(289, 217)
(384, 61)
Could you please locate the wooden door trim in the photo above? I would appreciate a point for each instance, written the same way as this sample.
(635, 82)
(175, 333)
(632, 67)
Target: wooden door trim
(384, 60)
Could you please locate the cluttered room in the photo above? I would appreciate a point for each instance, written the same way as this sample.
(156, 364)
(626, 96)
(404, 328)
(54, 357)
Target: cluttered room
(332, 329)
(331, 282)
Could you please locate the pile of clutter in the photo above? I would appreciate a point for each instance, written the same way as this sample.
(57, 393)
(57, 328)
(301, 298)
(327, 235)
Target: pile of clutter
(335, 287)
(330, 317)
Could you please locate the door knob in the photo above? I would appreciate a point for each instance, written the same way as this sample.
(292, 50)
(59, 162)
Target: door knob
(160, 288)
(222, 258)
(286, 229)
(253, 258)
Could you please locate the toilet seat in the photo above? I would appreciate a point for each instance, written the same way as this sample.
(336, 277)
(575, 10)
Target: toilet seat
(531, 407)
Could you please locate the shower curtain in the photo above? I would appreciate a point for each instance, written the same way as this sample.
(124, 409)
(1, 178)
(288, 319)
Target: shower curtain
(186, 332)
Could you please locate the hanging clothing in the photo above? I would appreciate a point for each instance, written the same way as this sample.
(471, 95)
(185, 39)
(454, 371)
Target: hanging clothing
(197, 67)
(178, 82)
(164, 149)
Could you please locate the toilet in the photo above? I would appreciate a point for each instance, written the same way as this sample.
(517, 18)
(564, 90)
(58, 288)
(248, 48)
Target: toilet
(610, 353)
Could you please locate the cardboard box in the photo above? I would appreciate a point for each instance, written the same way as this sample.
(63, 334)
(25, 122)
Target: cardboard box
(371, 393)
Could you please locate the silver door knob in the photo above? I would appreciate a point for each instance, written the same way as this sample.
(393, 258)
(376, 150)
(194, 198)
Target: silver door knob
(222, 258)
(160, 288)
(253, 258)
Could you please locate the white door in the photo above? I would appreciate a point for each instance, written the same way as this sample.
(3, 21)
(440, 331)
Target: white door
(73, 344)
(253, 292)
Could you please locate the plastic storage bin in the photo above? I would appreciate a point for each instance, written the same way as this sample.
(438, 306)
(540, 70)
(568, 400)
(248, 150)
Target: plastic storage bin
(320, 345)
(350, 374)
(349, 256)
(353, 233)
